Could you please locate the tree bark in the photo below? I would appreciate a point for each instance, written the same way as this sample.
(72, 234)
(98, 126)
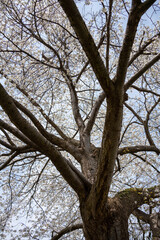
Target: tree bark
(109, 225)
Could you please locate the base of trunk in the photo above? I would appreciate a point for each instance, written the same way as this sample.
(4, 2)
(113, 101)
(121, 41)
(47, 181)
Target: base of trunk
(111, 224)
(106, 231)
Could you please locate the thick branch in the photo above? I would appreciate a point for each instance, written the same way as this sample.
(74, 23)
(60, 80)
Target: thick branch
(64, 144)
(59, 131)
(143, 6)
(124, 56)
(108, 152)
(137, 10)
(46, 147)
(87, 63)
(133, 198)
(141, 215)
(140, 148)
(87, 43)
(18, 134)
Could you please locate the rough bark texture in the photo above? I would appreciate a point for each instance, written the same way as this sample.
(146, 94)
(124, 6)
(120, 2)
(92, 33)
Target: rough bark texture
(112, 224)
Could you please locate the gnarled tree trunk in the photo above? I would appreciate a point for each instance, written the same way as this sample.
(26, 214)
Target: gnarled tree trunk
(109, 224)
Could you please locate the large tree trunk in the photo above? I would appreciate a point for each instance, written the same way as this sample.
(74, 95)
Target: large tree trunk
(109, 224)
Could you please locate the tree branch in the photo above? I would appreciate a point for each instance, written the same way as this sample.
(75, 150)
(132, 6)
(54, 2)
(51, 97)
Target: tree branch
(108, 34)
(134, 113)
(137, 10)
(94, 113)
(18, 134)
(145, 90)
(133, 198)
(64, 144)
(5, 164)
(124, 56)
(141, 215)
(59, 131)
(67, 230)
(87, 43)
(74, 103)
(8, 137)
(5, 144)
(140, 148)
(142, 48)
(87, 63)
(46, 147)
(19, 150)
(146, 127)
(144, 160)
(140, 73)
(143, 7)
(152, 219)
(26, 53)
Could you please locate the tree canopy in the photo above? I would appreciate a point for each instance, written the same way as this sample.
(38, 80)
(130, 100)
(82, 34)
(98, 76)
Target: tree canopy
(79, 119)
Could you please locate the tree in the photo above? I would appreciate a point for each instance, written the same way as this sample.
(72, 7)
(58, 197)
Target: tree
(81, 93)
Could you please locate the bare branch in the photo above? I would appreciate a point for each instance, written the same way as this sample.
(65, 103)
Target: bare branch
(51, 137)
(18, 134)
(134, 113)
(108, 34)
(146, 127)
(67, 230)
(6, 144)
(8, 137)
(33, 101)
(67, 144)
(143, 70)
(145, 122)
(145, 90)
(142, 48)
(87, 43)
(87, 63)
(26, 53)
(74, 102)
(144, 160)
(56, 23)
(137, 10)
(140, 148)
(5, 164)
(14, 154)
(94, 113)
(46, 147)
(142, 215)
